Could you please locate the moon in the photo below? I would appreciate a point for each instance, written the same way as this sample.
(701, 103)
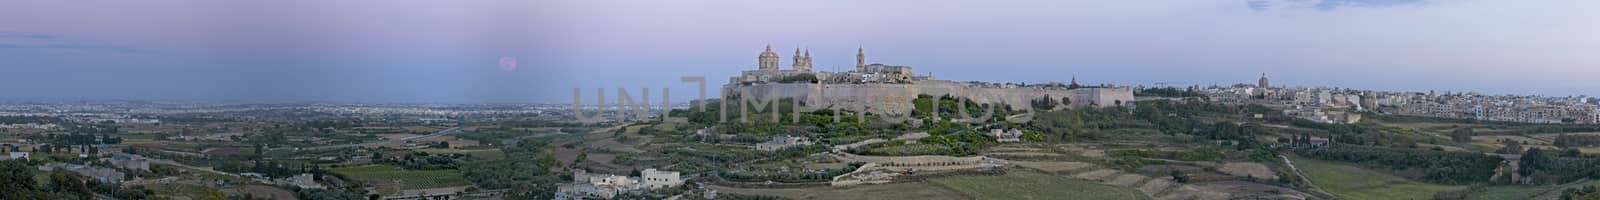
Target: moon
(508, 64)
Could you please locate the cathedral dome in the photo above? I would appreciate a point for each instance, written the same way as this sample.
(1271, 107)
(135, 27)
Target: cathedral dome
(1263, 83)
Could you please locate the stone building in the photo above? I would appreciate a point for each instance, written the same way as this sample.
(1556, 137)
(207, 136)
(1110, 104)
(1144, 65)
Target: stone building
(802, 63)
(768, 59)
(129, 162)
(607, 186)
(655, 179)
(889, 89)
(15, 155)
(1263, 83)
(783, 142)
(1002, 135)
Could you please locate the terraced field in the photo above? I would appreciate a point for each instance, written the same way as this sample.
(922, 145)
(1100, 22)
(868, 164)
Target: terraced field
(1033, 185)
(1350, 182)
(1052, 166)
(911, 190)
(408, 179)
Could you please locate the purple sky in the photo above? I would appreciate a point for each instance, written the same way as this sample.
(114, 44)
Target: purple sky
(448, 51)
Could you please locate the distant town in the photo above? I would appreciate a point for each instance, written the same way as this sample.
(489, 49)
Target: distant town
(1247, 140)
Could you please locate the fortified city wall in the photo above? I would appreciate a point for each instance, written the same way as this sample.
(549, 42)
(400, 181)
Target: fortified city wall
(897, 98)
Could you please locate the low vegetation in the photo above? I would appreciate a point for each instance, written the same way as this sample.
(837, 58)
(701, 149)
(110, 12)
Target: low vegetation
(1426, 165)
(405, 179)
(1351, 182)
(1033, 185)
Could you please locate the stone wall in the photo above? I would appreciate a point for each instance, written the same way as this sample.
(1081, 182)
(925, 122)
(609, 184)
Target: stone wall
(896, 99)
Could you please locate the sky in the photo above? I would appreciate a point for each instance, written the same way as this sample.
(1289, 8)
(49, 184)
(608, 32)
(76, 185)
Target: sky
(402, 51)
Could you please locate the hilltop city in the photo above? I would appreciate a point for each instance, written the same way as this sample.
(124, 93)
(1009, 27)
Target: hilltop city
(959, 139)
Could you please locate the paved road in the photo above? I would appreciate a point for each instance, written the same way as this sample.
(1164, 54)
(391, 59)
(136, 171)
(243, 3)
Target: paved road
(448, 131)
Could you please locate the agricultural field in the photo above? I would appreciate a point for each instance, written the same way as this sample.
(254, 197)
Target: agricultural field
(422, 129)
(180, 190)
(908, 150)
(1249, 169)
(1053, 166)
(407, 179)
(912, 190)
(1542, 192)
(1350, 182)
(1033, 185)
(1493, 141)
(1443, 147)
(1552, 138)
(480, 154)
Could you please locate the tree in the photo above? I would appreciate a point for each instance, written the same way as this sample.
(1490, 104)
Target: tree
(581, 157)
(1045, 103)
(1530, 161)
(1461, 135)
(65, 182)
(16, 180)
(1511, 147)
(1179, 176)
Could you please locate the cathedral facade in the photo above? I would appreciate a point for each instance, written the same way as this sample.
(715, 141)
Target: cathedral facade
(801, 70)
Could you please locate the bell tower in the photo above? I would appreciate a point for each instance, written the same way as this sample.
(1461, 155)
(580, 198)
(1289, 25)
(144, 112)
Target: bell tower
(861, 60)
(804, 63)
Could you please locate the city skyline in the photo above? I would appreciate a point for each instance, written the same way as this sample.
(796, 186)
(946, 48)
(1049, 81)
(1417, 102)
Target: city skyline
(452, 52)
(825, 99)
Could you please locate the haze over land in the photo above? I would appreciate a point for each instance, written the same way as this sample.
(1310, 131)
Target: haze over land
(837, 99)
(413, 51)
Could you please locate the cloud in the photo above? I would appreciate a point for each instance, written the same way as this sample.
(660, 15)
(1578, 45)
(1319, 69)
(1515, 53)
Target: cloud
(112, 48)
(1258, 5)
(37, 41)
(1326, 5)
(1335, 4)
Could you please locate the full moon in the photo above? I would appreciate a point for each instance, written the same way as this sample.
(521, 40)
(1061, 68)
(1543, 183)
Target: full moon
(508, 64)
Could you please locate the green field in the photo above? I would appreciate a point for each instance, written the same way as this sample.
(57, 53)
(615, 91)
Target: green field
(1522, 191)
(409, 179)
(894, 191)
(478, 154)
(1350, 182)
(1033, 185)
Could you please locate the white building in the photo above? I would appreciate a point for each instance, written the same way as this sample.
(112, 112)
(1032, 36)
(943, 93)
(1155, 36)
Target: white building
(610, 180)
(783, 142)
(658, 179)
(1012, 135)
(606, 186)
(16, 155)
(303, 181)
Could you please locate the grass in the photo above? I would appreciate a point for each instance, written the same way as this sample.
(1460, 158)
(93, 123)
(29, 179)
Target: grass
(909, 150)
(1034, 185)
(1524, 191)
(1511, 192)
(907, 190)
(479, 154)
(424, 129)
(170, 190)
(1052, 166)
(1350, 182)
(409, 179)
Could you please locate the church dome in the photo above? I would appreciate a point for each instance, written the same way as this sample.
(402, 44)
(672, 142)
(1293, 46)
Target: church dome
(1263, 83)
